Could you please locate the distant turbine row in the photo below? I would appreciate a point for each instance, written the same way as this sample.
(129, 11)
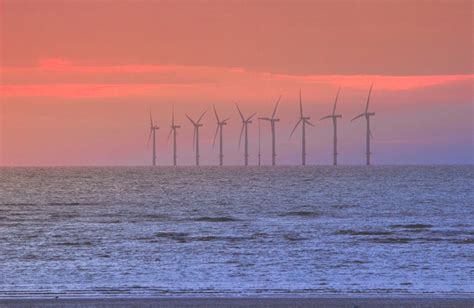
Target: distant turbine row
(303, 120)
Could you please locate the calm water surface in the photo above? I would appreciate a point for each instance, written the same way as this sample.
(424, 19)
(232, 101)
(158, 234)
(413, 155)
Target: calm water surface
(236, 231)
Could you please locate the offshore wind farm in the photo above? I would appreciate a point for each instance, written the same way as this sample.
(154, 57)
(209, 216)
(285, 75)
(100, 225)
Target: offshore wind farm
(244, 131)
(236, 154)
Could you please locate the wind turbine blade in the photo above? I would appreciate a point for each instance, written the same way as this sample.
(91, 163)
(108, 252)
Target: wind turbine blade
(326, 117)
(241, 132)
(225, 120)
(215, 136)
(215, 112)
(240, 112)
(276, 106)
(360, 115)
(309, 123)
(249, 118)
(151, 120)
(149, 138)
(292, 132)
(169, 135)
(335, 101)
(301, 106)
(200, 118)
(190, 119)
(172, 116)
(265, 119)
(194, 138)
(368, 98)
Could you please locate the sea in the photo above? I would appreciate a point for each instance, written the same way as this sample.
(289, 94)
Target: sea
(236, 231)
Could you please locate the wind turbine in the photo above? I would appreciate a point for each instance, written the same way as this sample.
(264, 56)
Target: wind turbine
(272, 121)
(245, 123)
(153, 129)
(334, 117)
(367, 115)
(259, 144)
(303, 120)
(219, 127)
(196, 125)
(173, 129)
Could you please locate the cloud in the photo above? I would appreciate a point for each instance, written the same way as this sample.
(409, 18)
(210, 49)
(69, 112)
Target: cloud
(57, 77)
(88, 90)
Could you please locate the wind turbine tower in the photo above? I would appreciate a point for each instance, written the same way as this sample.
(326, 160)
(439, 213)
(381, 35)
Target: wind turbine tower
(334, 117)
(303, 120)
(272, 121)
(173, 130)
(196, 125)
(259, 144)
(367, 115)
(219, 127)
(245, 123)
(153, 129)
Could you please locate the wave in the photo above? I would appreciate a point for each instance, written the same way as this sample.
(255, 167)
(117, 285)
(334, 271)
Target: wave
(48, 204)
(64, 215)
(216, 219)
(184, 237)
(173, 235)
(412, 226)
(344, 206)
(220, 238)
(392, 240)
(71, 203)
(153, 217)
(301, 214)
(18, 204)
(363, 233)
(464, 241)
(293, 237)
(85, 243)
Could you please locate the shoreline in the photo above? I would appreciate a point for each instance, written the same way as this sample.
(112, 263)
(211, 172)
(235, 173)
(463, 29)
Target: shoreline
(321, 301)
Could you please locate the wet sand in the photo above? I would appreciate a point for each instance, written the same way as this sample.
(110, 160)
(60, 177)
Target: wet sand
(242, 302)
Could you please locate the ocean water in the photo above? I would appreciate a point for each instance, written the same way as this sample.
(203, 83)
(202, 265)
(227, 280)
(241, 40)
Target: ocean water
(232, 231)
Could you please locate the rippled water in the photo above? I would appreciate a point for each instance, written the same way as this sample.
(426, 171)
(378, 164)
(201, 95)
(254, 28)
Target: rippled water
(234, 230)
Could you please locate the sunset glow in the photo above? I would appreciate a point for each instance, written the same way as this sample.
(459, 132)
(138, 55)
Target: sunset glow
(78, 93)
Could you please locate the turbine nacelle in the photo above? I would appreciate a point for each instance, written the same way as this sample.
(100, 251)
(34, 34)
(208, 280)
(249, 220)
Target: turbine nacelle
(269, 119)
(198, 122)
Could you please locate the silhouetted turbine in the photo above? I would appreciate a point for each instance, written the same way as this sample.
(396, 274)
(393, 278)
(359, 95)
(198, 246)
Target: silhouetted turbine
(367, 115)
(219, 127)
(272, 121)
(173, 129)
(245, 123)
(334, 117)
(259, 144)
(303, 120)
(153, 129)
(196, 125)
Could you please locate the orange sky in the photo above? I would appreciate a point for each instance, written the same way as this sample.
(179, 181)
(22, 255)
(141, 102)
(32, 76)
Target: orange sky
(78, 78)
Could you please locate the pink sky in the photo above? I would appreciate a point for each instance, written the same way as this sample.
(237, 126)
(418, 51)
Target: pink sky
(78, 79)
